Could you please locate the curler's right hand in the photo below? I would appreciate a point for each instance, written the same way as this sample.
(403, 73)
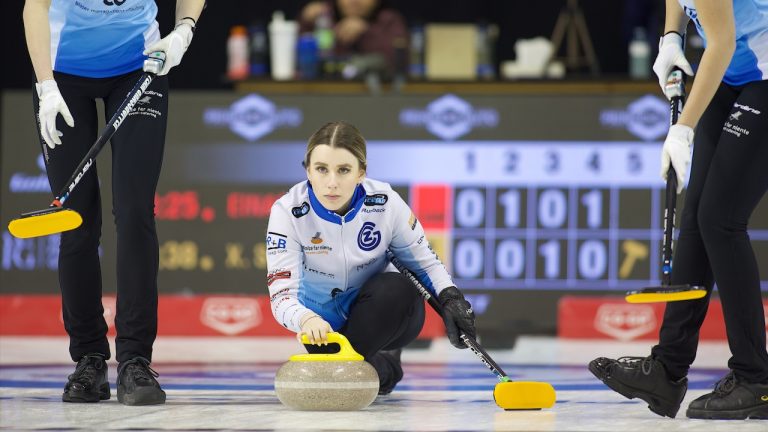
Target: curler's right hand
(677, 152)
(316, 329)
(51, 105)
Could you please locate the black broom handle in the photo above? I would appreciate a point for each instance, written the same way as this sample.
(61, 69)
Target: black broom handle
(675, 90)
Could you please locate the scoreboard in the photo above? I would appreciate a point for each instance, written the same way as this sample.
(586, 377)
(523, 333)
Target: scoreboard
(547, 215)
(517, 194)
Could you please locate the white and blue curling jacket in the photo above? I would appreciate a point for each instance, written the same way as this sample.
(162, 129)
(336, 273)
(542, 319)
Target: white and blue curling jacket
(101, 38)
(750, 60)
(318, 260)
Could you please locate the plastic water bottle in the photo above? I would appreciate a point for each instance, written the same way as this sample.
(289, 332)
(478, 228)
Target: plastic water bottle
(416, 69)
(639, 55)
(282, 46)
(307, 57)
(258, 49)
(484, 53)
(237, 53)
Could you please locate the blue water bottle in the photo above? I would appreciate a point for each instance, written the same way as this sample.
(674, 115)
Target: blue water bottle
(259, 49)
(308, 57)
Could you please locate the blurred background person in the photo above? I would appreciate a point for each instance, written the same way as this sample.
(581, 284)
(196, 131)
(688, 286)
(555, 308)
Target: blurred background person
(356, 28)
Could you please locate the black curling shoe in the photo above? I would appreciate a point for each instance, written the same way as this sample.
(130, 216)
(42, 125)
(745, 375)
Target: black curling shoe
(644, 378)
(89, 381)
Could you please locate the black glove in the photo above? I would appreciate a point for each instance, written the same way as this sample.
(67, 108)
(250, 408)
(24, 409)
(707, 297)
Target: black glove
(458, 315)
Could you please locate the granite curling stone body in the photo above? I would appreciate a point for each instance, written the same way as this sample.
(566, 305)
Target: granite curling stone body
(327, 382)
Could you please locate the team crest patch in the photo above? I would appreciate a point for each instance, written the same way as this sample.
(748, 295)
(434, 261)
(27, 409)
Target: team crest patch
(301, 210)
(375, 200)
(367, 238)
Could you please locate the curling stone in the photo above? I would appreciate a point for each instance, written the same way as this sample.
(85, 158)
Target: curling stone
(341, 381)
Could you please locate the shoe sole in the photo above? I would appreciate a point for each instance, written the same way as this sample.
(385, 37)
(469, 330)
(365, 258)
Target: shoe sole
(757, 413)
(104, 394)
(659, 406)
(141, 396)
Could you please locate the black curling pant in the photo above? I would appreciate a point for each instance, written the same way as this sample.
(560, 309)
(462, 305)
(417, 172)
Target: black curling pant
(137, 154)
(388, 314)
(729, 176)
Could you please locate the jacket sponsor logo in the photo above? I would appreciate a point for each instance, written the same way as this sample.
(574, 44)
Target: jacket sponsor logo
(278, 274)
(301, 210)
(375, 200)
(361, 267)
(317, 249)
(316, 239)
(736, 115)
(373, 210)
(230, 315)
(625, 322)
(276, 241)
(279, 301)
(319, 272)
(367, 238)
(279, 293)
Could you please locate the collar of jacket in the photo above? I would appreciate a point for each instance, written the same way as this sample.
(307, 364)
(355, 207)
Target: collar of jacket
(358, 198)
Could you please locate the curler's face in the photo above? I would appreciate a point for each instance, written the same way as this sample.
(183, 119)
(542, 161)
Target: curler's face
(334, 174)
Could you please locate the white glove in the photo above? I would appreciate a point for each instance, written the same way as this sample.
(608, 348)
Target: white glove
(670, 55)
(51, 105)
(677, 150)
(315, 327)
(174, 45)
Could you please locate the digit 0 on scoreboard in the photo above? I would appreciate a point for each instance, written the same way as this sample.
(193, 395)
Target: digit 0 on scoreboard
(470, 218)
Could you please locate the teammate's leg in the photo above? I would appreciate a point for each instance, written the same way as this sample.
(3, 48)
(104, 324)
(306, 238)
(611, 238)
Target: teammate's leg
(738, 180)
(679, 334)
(79, 266)
(659, 379)
(137, 154)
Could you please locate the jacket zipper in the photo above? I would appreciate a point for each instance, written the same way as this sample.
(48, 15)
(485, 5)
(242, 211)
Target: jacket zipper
(344, 255)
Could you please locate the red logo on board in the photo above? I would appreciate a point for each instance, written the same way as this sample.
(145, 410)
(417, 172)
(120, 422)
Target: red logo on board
(625, 322)
(230, 315)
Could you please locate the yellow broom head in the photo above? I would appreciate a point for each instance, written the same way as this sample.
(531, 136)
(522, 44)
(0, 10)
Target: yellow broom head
(524, 395)
(45, 222)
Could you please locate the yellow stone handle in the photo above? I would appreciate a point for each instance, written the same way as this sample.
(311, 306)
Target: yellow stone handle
(346, 352)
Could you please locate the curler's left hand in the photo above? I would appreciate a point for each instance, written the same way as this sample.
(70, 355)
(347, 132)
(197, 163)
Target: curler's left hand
(173, 45)
(457, 315)
(677, 152)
